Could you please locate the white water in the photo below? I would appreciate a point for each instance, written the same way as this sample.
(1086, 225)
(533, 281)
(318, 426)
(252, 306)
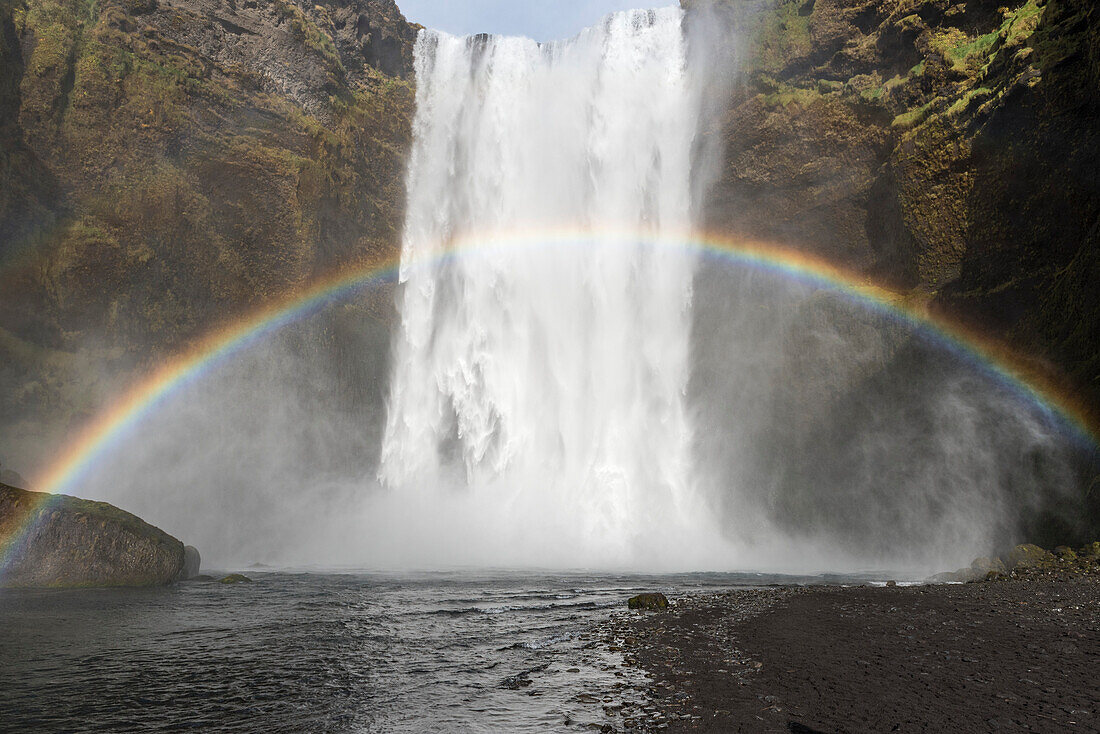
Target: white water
(537, 409)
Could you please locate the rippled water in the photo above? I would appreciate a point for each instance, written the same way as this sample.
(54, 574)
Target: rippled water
(323, 652)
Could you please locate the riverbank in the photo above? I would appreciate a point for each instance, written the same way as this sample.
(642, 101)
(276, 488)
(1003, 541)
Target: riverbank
(1015, 656)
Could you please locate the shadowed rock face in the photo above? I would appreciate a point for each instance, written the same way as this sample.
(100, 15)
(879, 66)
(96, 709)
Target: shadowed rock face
(946, 148)
(75, 543)
(168, 165)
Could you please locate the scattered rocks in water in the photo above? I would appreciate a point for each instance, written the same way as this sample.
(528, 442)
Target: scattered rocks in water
(649, 602)
(521, 680)
(235, 578)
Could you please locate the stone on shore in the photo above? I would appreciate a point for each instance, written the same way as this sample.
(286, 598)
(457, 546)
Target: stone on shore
(650, 602)
(55, 541)
(983, 565)
(1029, 556)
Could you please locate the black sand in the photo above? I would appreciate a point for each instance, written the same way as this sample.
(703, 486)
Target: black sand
(1009, 656)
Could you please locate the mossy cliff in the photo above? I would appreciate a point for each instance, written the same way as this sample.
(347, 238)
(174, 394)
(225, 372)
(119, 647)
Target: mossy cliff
(947, 148)
(167, 164)
(64, 542)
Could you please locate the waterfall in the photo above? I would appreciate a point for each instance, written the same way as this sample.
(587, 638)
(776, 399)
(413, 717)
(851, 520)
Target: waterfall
(540, 388)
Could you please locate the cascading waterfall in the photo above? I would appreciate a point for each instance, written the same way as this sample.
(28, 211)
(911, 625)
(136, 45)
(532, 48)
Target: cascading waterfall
(540, 390)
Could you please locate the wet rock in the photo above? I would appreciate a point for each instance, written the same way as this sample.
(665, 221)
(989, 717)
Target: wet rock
(985, 565)
(649, 602)
(235, 578)
(1028, 555)
(1065, 553)
(64, 542)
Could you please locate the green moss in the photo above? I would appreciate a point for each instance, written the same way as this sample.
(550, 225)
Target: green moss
(787, 95)
(963, 103)
(309, 34)
(911, 119)
(782, 34)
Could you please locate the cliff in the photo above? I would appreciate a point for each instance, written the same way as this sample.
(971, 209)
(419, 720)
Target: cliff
(167, 164)
(70, 543)
(946, 148)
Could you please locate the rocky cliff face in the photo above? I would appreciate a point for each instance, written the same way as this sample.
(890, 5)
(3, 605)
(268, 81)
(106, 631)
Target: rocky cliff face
(948, 148)
(166, 164)
(73, 543)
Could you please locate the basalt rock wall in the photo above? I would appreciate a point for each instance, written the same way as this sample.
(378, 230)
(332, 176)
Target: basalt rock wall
(168, 165)
(946, 148)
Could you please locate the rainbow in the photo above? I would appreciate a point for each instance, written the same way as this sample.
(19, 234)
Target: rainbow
(106, 431)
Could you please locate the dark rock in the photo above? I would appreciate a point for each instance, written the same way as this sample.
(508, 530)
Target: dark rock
(1065, 553)
(650, 602)
(891, 583)
(65, 542)
(192, 561)
(983, 565)
(201, 577)
(1028, 555)
(235, 578)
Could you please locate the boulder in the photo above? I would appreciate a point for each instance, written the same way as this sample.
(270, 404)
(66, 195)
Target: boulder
(235, 578)
(1065, 553)
(1029, 556)
(191, 562)
(1091, 551)
(983, 565)
(55, 541)
(651, 602)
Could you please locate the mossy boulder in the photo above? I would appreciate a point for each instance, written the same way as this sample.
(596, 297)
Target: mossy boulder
(55, 541)
(1029, 556)
(235, 578)
(655, 602)
(1091, 551)
(1065, 554)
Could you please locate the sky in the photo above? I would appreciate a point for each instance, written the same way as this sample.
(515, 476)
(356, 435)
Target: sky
(543, 20)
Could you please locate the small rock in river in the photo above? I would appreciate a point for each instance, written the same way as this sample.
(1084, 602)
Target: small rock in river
(235, 578)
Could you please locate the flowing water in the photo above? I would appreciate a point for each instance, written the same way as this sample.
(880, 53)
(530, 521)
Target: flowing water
(548, 383)
(446, 652)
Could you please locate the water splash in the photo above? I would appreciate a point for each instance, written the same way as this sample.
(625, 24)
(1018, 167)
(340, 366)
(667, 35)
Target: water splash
(551, 383)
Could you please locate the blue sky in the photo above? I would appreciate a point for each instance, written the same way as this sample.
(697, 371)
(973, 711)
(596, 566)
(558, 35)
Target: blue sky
(543, 20)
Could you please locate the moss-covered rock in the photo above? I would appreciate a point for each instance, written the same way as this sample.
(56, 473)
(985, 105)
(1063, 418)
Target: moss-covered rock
(653, 602)
(235, 578)
(1028, 555)
(945, 148)
(54, 541)
(166, 167)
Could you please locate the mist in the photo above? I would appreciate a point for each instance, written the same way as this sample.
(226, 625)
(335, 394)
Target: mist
(579, 406)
